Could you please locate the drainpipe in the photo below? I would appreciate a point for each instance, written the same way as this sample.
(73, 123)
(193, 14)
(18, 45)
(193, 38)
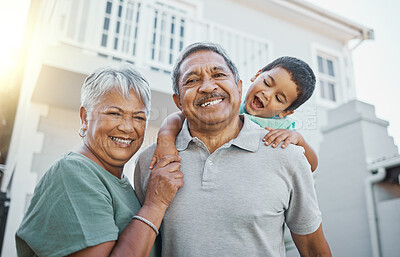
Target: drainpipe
(371, 209)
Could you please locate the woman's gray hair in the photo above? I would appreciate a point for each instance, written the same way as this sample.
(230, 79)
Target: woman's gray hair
(122, 77)
(193, 48)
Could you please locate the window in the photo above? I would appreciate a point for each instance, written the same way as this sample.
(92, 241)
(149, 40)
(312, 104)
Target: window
(328, 78)
(106, 26)
(168, 31)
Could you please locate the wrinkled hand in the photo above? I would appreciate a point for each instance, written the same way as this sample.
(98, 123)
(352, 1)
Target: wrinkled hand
(163, 149)
(276, 136)
(164, 181)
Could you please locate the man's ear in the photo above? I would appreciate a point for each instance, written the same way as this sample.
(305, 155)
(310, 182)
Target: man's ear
(240, 87)
(285, 113)
(255, 76)
(177, 100)
(83, 115)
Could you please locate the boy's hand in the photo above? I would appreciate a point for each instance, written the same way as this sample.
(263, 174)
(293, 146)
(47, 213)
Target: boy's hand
(276, 136)
(163, 149)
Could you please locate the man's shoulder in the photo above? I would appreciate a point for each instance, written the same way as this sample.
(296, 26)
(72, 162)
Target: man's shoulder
(142, 171)
(289, 150)
(253, 130)
(290, 156)
(143, 163)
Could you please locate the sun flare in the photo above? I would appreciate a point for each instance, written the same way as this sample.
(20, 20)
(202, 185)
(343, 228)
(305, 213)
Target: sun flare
(12, 22)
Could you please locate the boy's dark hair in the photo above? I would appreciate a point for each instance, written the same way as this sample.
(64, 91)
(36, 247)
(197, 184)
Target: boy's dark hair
(301, 74)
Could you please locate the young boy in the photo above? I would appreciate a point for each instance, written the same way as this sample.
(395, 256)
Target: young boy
(276, 91)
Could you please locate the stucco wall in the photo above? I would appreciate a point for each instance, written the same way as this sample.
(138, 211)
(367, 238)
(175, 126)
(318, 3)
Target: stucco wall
(60, 128)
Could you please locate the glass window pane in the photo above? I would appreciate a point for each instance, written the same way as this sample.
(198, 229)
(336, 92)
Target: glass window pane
(116, 43)
(108, 8)
(138, 14)
(330, 68)
(120, 11)
(331, 88)
(172, 25)
(182, 28)
(104, 40)
(117, 27)
(155, 20)
(106, 23)
(320, 64)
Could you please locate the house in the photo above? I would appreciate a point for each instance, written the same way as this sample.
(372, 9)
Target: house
(70, 38)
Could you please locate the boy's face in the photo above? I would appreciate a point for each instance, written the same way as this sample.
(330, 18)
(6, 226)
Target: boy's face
(271, 93)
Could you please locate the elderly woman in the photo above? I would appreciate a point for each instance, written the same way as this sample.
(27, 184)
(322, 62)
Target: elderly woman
(84, 205)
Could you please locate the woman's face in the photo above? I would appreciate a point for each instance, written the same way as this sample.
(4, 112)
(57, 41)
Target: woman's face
(115, 128)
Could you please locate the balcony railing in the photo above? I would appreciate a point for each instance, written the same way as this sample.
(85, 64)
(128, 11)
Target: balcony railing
(149, 33)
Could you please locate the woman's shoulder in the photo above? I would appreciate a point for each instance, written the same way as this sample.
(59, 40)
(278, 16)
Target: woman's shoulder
(73, 162)
(69, 167)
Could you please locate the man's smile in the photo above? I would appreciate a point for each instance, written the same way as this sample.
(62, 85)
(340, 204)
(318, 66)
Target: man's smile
(211, 103)
(211, 99)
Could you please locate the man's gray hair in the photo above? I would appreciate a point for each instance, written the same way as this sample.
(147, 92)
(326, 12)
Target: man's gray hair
(122, 77)
(195, 47)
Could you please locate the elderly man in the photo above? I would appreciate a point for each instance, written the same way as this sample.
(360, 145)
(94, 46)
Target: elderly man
(238, 193)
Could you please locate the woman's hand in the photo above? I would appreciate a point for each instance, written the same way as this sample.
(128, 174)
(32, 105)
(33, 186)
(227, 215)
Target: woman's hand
(165, 146)
(164, 181)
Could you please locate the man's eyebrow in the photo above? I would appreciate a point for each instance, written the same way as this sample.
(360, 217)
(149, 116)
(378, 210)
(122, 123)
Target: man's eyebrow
(188, 74)
(219, 68)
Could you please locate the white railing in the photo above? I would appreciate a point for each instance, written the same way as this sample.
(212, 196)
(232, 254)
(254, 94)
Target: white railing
(150, 34)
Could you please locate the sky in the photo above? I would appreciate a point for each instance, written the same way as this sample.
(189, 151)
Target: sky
(375, 62)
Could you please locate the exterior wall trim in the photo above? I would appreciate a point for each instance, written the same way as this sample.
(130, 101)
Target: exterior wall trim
(24, 181)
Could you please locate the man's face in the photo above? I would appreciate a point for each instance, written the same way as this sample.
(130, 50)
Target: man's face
(209, 95)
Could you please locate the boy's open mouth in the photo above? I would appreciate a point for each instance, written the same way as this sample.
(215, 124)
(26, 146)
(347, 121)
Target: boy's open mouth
(257, 103)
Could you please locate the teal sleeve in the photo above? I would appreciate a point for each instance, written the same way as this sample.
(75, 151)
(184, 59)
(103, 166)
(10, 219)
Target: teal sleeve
(72, 211)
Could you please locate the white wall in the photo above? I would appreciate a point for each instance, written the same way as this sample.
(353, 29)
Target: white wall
(353, 137)
(60, 128)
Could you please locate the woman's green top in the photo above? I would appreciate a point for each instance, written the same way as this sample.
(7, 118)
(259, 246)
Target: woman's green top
(75, 205)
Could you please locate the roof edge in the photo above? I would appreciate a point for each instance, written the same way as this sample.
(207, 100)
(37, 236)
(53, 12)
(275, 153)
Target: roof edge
(365, 32)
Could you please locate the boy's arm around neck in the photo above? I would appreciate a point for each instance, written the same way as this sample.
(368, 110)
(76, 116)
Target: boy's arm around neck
(309, 153)
(167, 134)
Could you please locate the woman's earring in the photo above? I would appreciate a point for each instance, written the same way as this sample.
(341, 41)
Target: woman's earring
(82, 131)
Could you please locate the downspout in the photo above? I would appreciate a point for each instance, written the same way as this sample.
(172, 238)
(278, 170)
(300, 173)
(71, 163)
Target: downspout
(371, 210)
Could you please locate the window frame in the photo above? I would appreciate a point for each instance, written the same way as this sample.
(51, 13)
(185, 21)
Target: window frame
(338, 79)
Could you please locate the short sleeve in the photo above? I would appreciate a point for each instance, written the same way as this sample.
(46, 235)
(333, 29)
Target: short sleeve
(72, 211)
(142, 172)
(137, 179)
(303, 215)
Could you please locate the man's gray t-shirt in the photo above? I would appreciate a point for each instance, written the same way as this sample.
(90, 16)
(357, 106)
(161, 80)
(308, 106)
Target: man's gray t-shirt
(235, 201)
